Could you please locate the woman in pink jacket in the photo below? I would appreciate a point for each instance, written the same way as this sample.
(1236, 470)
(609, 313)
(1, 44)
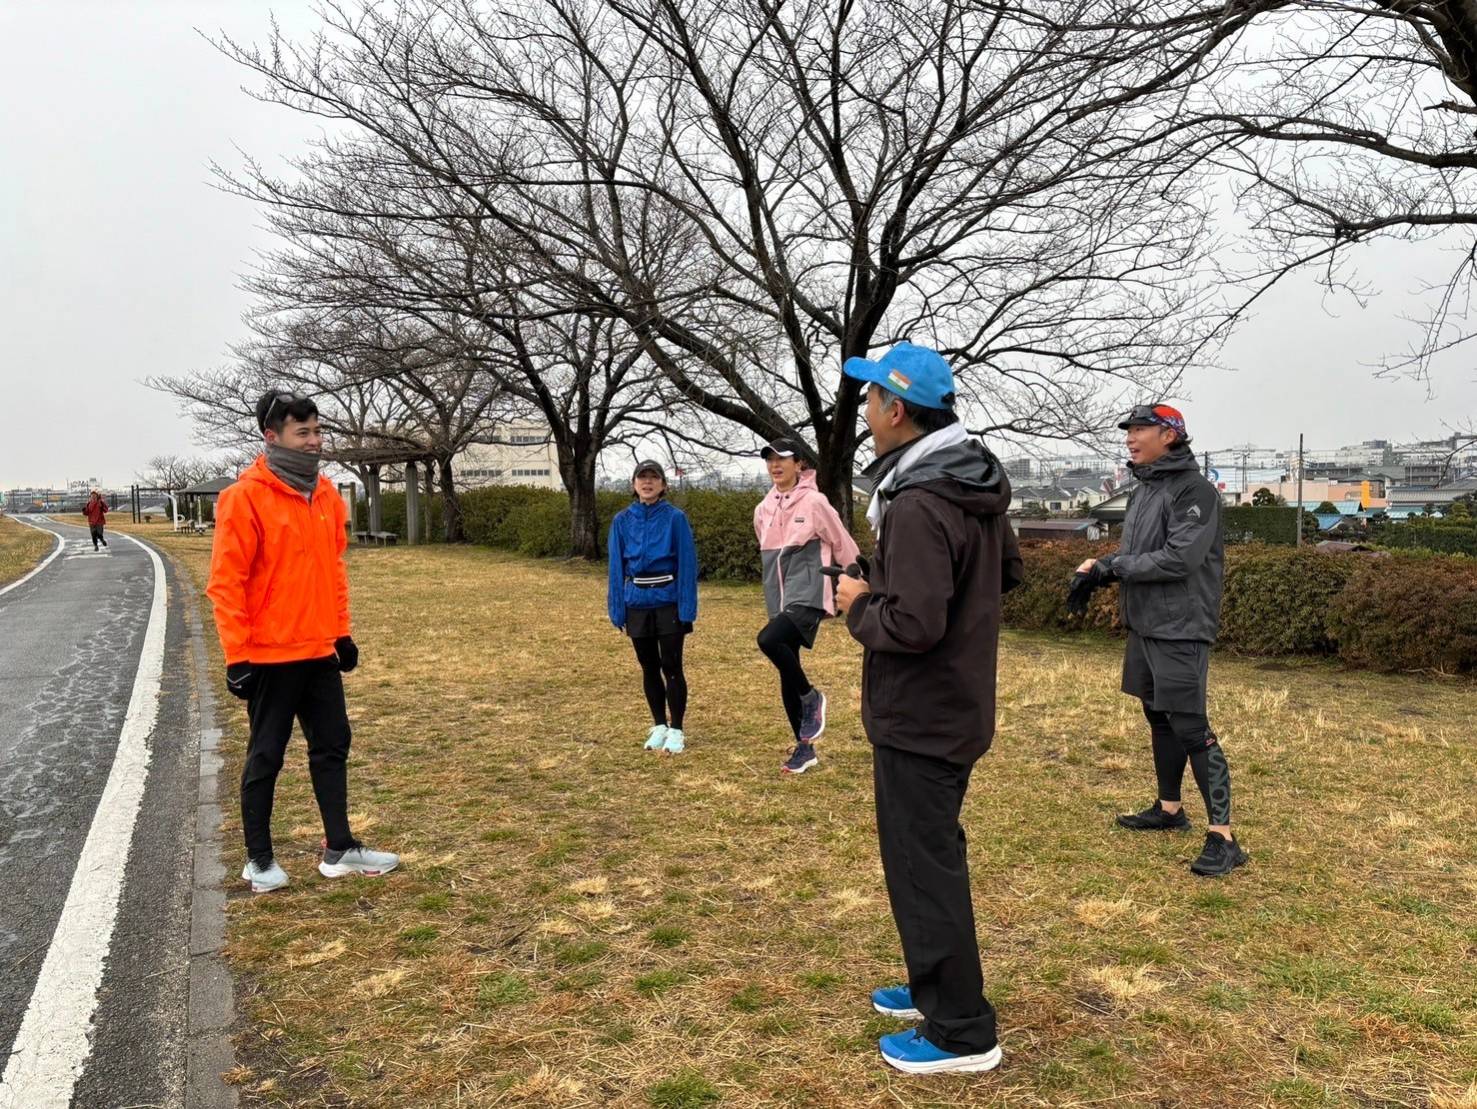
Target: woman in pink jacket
(799, 534)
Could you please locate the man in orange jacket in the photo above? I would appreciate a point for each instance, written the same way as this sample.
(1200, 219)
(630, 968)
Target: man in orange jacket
(281, 596)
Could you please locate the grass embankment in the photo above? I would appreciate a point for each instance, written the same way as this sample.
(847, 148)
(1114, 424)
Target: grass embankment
(21, 548)
(578, 923)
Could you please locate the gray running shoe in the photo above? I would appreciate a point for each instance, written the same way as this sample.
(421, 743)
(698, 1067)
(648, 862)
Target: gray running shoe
(264, 875)
(357, 860)
(812, 716)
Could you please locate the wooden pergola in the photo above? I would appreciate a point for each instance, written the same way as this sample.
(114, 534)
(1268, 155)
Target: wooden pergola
(370, 461)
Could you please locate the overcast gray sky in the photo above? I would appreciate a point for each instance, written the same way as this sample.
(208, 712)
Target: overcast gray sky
(119, 260)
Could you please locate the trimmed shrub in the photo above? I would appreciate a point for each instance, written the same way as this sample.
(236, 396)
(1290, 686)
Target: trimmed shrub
(723, 529)
(1040, 601)
(1456, 536)
(1260, 524)
(1406, 613)
(1277, 600)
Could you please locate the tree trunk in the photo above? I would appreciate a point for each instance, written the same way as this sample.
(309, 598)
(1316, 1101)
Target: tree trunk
(584, 525)
(451, 505)
(833, 478)
(428, 500)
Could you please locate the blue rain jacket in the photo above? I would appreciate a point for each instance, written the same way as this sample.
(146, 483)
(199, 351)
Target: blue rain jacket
(648, 541)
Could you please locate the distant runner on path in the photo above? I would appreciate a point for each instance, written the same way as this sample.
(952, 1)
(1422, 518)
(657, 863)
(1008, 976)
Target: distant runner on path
(652, 597)
(96, 511)
(281, 595)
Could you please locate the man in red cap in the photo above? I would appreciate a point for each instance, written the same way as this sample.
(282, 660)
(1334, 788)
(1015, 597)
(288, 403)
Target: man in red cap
(1169, 569)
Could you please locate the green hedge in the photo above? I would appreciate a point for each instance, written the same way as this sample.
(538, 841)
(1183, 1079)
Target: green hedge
(535, 522)
(1277, 599)
(1444, 536)
(1399, 612)
(1409, 614)
(1268, 524)
(1408, 611)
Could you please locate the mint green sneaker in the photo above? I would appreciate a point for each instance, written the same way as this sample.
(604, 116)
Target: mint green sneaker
(676, 742)
(656, 737)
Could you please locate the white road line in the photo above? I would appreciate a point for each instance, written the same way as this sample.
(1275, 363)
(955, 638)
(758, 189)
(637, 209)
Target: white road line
(51, 1049)
(60, 546)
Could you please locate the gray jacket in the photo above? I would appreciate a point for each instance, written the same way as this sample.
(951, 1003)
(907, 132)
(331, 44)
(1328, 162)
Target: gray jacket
(1171, 559)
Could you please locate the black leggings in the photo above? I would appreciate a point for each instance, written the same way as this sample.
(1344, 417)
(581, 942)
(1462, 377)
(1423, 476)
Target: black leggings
(781, 642)
(661, 676)
(1181, 737)
(312, 693)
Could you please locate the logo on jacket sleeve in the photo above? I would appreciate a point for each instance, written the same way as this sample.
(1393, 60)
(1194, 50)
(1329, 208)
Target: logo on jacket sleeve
(1193, 510)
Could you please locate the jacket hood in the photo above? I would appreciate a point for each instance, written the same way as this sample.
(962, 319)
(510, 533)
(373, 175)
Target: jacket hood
(805, 481)
(1179, 457)
(966, 474)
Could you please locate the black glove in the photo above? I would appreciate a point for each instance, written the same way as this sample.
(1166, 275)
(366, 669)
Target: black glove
(348, 654)
(1082, 586)
(240, 679)
(861, 569)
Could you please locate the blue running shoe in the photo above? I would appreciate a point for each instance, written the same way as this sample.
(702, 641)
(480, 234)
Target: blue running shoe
(801, 759)
(656, 737)
(675, 742)
(812, 716)
(911, 1053)
(895, 1001)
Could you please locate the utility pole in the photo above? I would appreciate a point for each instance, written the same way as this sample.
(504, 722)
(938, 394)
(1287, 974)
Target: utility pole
(1300, 489)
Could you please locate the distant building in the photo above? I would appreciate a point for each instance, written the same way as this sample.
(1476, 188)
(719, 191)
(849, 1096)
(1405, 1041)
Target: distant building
(1018, 469)
(524, 454)
(1316, 492)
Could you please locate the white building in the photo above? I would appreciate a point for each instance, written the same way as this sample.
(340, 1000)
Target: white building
(524, 454)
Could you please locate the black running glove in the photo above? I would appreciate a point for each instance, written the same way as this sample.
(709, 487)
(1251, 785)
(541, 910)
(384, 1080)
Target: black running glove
(348, 654)
(861, 569)
(1082, 587)
(240, 680)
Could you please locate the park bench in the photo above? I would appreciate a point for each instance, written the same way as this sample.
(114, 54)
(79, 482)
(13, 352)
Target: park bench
(381, 538)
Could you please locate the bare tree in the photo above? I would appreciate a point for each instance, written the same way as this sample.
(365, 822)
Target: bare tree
(1353, 121)
(175, 472)
(427, 300)
(758, 191)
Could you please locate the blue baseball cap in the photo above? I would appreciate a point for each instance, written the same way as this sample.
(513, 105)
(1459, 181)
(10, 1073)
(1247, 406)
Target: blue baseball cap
(919, 375)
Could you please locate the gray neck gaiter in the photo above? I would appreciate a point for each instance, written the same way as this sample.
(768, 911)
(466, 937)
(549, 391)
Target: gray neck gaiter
(298, 468)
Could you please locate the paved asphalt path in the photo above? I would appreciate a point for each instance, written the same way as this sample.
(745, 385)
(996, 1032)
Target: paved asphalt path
(70, 643)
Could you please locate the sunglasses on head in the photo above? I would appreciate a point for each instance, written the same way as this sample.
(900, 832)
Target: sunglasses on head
(286, 400)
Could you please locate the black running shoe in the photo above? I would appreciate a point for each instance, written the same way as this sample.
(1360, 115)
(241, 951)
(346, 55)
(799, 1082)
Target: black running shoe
(1154, 819)
(801, 759)
(1220, 856)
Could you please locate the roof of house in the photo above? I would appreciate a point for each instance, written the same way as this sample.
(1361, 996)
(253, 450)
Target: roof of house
(1055, 525)
(210, 488)
(1038, 493)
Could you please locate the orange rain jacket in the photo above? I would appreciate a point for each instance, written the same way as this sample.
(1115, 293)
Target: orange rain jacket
(277, 575)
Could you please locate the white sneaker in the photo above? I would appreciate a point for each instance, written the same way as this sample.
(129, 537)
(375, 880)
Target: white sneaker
(676, 742)
(357, 860)
(264, 879)
(656, 737)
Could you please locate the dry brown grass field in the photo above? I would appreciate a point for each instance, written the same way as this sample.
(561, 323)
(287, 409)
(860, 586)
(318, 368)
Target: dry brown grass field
(578, 923)
(21, 548)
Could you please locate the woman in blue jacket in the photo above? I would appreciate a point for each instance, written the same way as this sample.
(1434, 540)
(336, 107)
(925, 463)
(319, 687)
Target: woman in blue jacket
(653, 597)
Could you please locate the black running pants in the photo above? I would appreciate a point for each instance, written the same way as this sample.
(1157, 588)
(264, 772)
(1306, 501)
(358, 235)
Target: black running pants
(312, 693)
(780, 640)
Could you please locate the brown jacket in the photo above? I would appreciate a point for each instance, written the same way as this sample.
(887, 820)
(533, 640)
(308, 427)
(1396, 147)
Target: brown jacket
(931, 624)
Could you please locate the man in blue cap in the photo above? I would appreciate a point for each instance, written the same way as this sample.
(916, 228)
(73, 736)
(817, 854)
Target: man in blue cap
(928, 618)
